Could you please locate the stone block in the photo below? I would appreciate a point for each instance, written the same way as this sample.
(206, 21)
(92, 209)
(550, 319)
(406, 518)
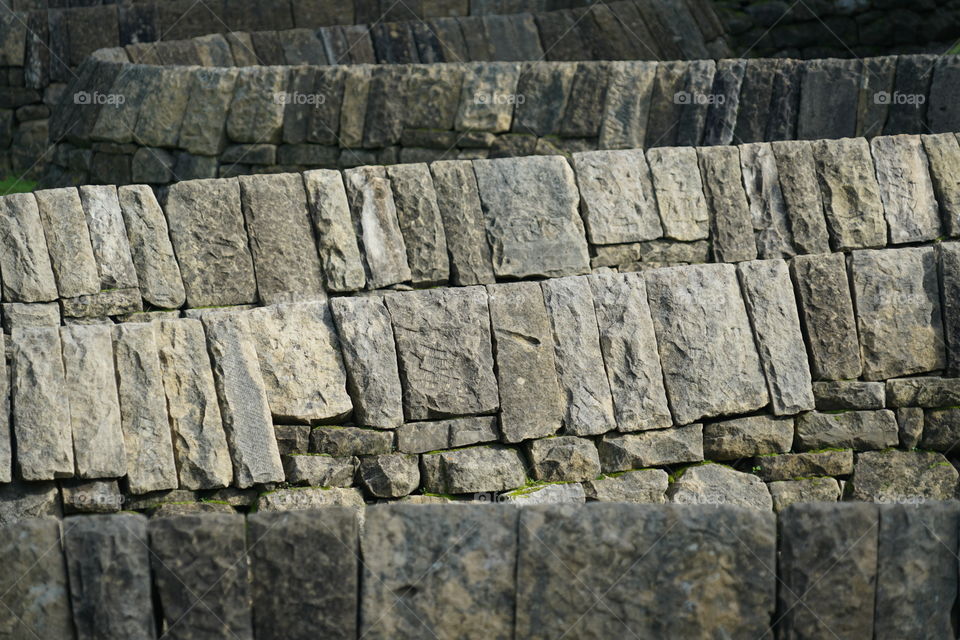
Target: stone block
(941, 429)
(851, 194)
(420, 223)
(350, 441)
(377, 226)
(651, 448)
(925, 391)
(943, 158)
(389, 476)
(731, 226)
(792, 466)
(336, 240)
(679, 191)
(745, 437)
(162, 110)
(643, 486)
(310, 498)
(860, 430)
(800, 190)
(902, 477)
(472, 470)
(767, 207)
(717, 484)
(829, 96)
(151, 251)
(787, 492)
(68, 242)
(423, 437)
(487, 97)
(256, 113)
(906, 189)
(563, 459)
(24, 260)
(203, 129)
(849, 394)
(458, 199)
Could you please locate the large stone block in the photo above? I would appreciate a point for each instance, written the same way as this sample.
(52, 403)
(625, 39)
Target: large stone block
(902, 477)
(801, 195)
(256, 113)
(651, 448)
(156, 265)
(203, 129)
(943, 157)
(392, 475)
(24, 261)
(28, 500)
(336, 240)
(679, 191)
(472, 470)
(860, 430)
(923, 391)
(829, 97)
(350, 441)
(718, 484)
(851, 195)
(303, 498)
(745, 437)
(545, 87)
(768, 210)
(422, 437)
(849, 394)
(68, 242)
(830, 462)
(627, 106)
(419, 216)
(731, 225)
(459, 201)
(487, 97)
(377, 227)
(162, 110)
(906, 189)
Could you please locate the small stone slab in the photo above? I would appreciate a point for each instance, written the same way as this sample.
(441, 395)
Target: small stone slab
(898, 311)
(731, 226)
(303, 498)
(108, 235)
(24, 261)
(444, 348)
(943, 157)
(28, 500)
(716, 484)
(679, 191)
(336, 240)
(423, 437)
(849, 394)
(902, 477)
(721, 118)
(559, 493)
(487, 97)
(851, 195)
(319, 470)
(709, 360)
(473, 470)
(910, 421)
(156, 265)
(767, 207)
(787, 492)
(91, 496)
(563, 459)
(350, 441)
(941, 429)
(419, 216)
(458, 199)
(745, 437)
(375, 218)
(906, 189)
(801, 195)
(627, 105)
(651, 448)
(532, 219)
(27, 314)
(831, 462)
(643, 486)
(6, 432)
(926, 391)
(545, 87)
(392, 475)
(68, 242)
(860, 430)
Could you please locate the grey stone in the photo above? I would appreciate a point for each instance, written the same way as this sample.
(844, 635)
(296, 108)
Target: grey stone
(767, 206)
(350, 441)
(754, 104)
(91, 391)
(156, 265)
(545, 87)
(206, 227)
(910, 422)
(319, 470)
(422, 437)
(828, 99)
(28, 500)
(6, 431)
(458, 199)
(303, 498)
(857, 429)
(643, 486)
(941, 429)
(927, 392)
(375, 218)
(943, 158)
(256, 115)
(731, 226)
(943, 95)
(902, 477)
(292, 439)
(801, 195)
(487, 97)
(898, 312)
(390, 476)
(108, 235)
(300, 361)
(201, 575)
(531, 213)
(877, 79)
(950, 278)
(24, 261)
(669, 96)
(906, 189)
(709, 360)
(851, 195)
(444, 348)
(336, 240)
(791, 466)
(162, 109)
(203, 129)
(721, 118)
(749, 436)
(717, 484)
(91, 496)
(472, 470)
(787, 492)
(849, 394)
(96, 308)
(68, 242)
(560, 493)
(419, 216)
(199, 442)
(370, 356)
(627, 104)
(651, 448)
(356, 90)
(679, 191)
(563, 459)
(24, 314)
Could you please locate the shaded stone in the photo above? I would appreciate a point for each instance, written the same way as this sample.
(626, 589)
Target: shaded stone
(721, 118)
(256, 115)
(902, 477)
(787, 492)
(829, 99)
(679, 192)
(910, 421)
(943, 158)
(304, 498)
(203, 129)
(754, 107)
(767, 207)
(651, 448)
(292, 439)
(876, 80)
(545, 87)
(6, 431)
(24, 261)
(848, 394)
(91, 496)
(28, 500)
(472, 470)
(860, 430)
(336, 240)
(627, 105)
(487, 97)
(941, 429)
(419, 217)
(162, 110)
(906, 189)
(731, 227)
(390, 476)
(943, 95)
(350, 441)
(851, 195)
(458, 199)
(68, 242)
(749, 436)
(563, 459)
(785, 100)
(422, 437)
(716, 484)
(156, 265)
(375, 218)
(643, 486)
(800, 192)
(790, 466)
(561, 493)
(319, 470)
(927, 392)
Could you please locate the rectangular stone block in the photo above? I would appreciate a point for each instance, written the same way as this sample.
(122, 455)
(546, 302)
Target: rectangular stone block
(679, 191)
(731, 225)
(420, 223)
(950, 274)
(473, 469)
(906, 189)
(722, 113)
(68, 242)
(785, 100)
(423, 437)
(754, 105)
(584, 111)
(925, 391)
(487, 97)
(336, 240)
(767, 207)
(851, 195)
(203, 129)
(26, 314)
(6, 432)
(256, 115)
(162, 110)
(840, 396)
(24, 260)
(943, 157)
(651, 448)
(877, 79)
(627, 106)
(545, 87)
(458, 199)
(859, 430)
(744, 437)
(829, 96)
(801, 195)
(377, 226)
(320, 470)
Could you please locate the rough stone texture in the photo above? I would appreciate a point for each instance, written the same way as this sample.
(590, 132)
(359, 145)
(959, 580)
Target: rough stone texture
(731, 224)
(941, 429)
(563, 459)
(717, 484)
(643, 486)
(531, 405)
(302, 498)
(370, 356)
(950, 279)
(943, 157)
(157, 270)
(902, 477)
(143, 409)
(317, 552)
(564, 493)
(24, 314)
(829, 573)
(91, 496)
(458, 198)
(826, 311)
(627, 105)
(336, 241)
(861, 430)
(849, 394)
(801, 195)
(255, 114)
(629, 348)
(532, 218)
(851, 195)
(421, 437)
(319, 470)
(6, 432)
(829, 462)
(651, 448)
(108, 564)
(350, 441)
(906, 189)
(199, 442)
(68, 242)
(419, 216)
(206, 227)
(446, 359)
(749, 436)
(787, 492)
(828, 99)
(201, 575)
(113, 302)
(616, 196)
(710, 363)
(768, 210)
(642, 585)
(91, 391)
(375, 219)
(679, 191)
(486, 97)
(108, 236)
(928, 392)
(588, 406)
(300, 361)
(203, 129)
(898, 311)
(24, 261)
(910, 422)
(390, 476)
(471, 470)
(41, 411)
(243, 400)
(453, 567)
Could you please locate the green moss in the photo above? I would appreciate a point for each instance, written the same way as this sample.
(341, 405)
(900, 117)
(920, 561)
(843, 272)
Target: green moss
(11, 185)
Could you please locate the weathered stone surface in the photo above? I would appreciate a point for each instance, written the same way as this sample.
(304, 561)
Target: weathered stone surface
(910, 422)
(579, 361)
(317, 552)
(717, 484)
(787, 492)
(292, 438)
(445, 353)
(161, 111)
(201, 575)
(749, 436)
(545, 87)
(644, 486)
(878, 78)
(302, 498)
(898, 311)
(350, 441)
(108, 563)
(848, 394)
(801, 195)
(626, 109)
(419, 217)
(91, 391)
(6, 432)
(531, 405)
(108, 236)
(472, 470)
(790, 466)
(904, 477)
(68, 242)
(319, 470)
(941, 429)
(300, 361)
(927, 392)
(768, 210)
(24, 314)
(679, 191)
(829, 574)
(156, 265)
(950, 283)
(206, 227)
(645, 582)
(826, 312)
(709, 360)
(616, 196)
(785, 100)
(487, 97)
(22, 500)
(458, 198)
(375, 218)
(454, 566)
(563, 459)
(851, 195)
(906, 189)
(24, 261)
(41, 411)
(109, 302)
(203, 129)
(390, 476)
(256, 115)
(943, 158)
(91, 496)
(861, 430)
(651, 448)
(336, 240)
(828, 99)
(629, 348)
(147, 440)
(199, 442)
(731, 227)
(560, 493)
(421, 437)
(531, 213)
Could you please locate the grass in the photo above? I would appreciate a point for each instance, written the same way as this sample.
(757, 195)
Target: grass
(14, 185)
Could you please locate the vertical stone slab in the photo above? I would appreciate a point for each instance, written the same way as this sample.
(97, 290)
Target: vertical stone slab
(336, 240)
(91, 391)
(199, 443)
(829, 574)
(243, 400)
(679, 190)
(629, 348)
(41, 410)
(108, 235)
(24, 260)
(731, 227)
(285, 257)
(545, 87)
(709, 360)
(897, 295)
(108, 562)
(161, 111)
(785, 100)
(876, 85)
(768, 294)
(445, 353)
(627, 106)
(950, 273)
(255, 114)
(203, 129)
(531, 405)
(419, 216)
(485, 97)
(206, 227)
(143, 409)
(755, 92)
(829, 96)
(370, 356)
(319, 552)
(453, 568)
(666, 103)
(375, 218)
(941, 115)
(801, 195)
(201, 575)
(458, 198)
(911, 88)
(6, 431)
(767, 207)
(851, 195)
(943, 156)
(68, 242)
(721, 116)
(906, 189)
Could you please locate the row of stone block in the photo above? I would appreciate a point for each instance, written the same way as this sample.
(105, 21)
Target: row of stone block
(489, 572)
